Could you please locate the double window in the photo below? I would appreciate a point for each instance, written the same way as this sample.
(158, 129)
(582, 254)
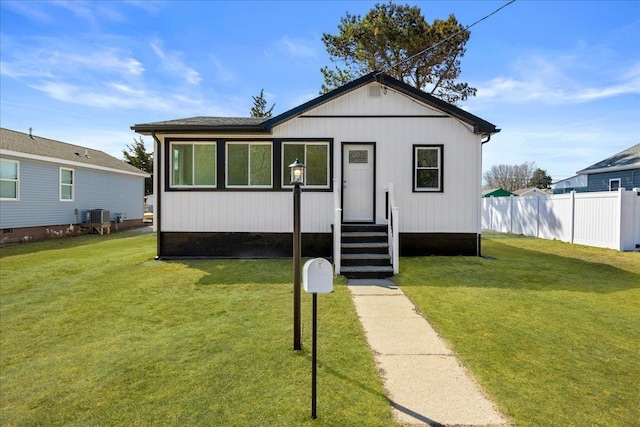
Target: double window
(9, 180)
(249, 164)
(314, 155)
(66, 184)
(427, 168)
(193, 164)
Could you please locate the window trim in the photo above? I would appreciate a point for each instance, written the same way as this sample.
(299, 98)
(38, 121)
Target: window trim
(284, 182)
(612, 180)
(414, 168)
(248, 186)
(193, 164)
(72, 185)
(16, 181)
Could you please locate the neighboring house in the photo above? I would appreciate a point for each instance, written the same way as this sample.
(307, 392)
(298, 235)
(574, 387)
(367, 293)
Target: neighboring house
(47, 188)
(496, 192)
(531, 191)
(621, 170)
(223, 187)
(577, 183)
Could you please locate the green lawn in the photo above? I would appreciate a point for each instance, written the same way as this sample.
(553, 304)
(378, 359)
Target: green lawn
(551, 330)
(93, 332)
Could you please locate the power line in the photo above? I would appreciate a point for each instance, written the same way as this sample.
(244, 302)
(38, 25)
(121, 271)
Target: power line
(446, 39)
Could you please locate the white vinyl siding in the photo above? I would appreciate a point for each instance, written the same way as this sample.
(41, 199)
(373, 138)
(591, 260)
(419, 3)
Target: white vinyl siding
(66, 184)
(193, 165)
(249, 164)
(314, 155)
(352, 118)
(9, 180)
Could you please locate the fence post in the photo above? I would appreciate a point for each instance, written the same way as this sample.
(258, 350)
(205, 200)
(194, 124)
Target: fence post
(537, 215)
(573, 216)
(491, 213)
(620, 222)
(511, 197)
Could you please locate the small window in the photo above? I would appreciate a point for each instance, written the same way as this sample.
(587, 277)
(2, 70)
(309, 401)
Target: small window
(427, 168)
(193, 164)
(9, 180)
(249, 165)
(614, 184)
(66, 184)
(314, 155)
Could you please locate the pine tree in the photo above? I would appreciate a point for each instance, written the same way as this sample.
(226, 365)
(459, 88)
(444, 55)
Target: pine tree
(394, 39)
(540, 179)
(136, 155)
(259, 108)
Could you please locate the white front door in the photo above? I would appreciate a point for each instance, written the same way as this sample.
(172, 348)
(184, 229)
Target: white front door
(357, 182)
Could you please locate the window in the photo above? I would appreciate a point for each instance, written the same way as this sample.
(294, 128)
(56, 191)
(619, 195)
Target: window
(9, 180)
(614, 184)
(194, 164)
(314, 155)
(66, 185)
(427, 160)
(249, 164)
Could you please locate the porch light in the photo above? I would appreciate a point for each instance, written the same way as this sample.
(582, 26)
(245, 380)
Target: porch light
(297, 172)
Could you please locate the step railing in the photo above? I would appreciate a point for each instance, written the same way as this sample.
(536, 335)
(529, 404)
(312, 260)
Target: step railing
(337, 226)
(393, 228)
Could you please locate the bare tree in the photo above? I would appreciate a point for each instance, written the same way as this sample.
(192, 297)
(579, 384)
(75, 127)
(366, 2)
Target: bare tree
(509, 177)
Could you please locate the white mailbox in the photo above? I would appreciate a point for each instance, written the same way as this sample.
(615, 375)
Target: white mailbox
(317, 276)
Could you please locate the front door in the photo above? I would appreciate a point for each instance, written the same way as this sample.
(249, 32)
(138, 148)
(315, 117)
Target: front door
(357, 182)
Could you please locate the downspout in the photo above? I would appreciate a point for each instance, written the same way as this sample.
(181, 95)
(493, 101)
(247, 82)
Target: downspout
(157, 194)
(479, 242)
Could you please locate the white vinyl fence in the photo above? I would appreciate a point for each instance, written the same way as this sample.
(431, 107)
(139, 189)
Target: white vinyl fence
(602, 219)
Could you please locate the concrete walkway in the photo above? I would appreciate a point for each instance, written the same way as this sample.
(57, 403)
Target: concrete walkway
(425, 383)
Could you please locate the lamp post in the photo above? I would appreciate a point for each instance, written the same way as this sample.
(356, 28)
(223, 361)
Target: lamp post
(297, 178)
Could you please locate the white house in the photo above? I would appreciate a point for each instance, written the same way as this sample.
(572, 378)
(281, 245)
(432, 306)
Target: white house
(377, 151)
(48, 188)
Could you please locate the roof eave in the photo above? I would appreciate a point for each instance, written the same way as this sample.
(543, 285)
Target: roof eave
(608, 169)
(148, 129)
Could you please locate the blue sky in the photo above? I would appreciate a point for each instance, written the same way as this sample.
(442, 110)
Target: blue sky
(560, 78)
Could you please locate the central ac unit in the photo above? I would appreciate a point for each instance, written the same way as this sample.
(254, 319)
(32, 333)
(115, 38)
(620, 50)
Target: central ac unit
(99, 216)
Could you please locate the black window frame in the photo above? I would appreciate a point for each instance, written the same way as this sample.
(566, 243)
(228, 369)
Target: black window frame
(414, 169)
(170, 169)
(285, 178)
(221, 167)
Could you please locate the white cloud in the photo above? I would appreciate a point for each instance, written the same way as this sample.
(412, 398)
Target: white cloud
(299, 48)
(558, 80)
(30, 10)
(172, 63)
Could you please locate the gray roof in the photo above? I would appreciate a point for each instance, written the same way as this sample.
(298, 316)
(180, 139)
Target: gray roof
(38, 146)
(251, 124)
(627, 159)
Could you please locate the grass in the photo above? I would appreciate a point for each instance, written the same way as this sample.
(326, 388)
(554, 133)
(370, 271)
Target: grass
(94, 332)
(551, 330)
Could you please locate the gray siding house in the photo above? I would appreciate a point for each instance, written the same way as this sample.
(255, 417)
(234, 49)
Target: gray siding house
(47, 188)
(622, 170)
